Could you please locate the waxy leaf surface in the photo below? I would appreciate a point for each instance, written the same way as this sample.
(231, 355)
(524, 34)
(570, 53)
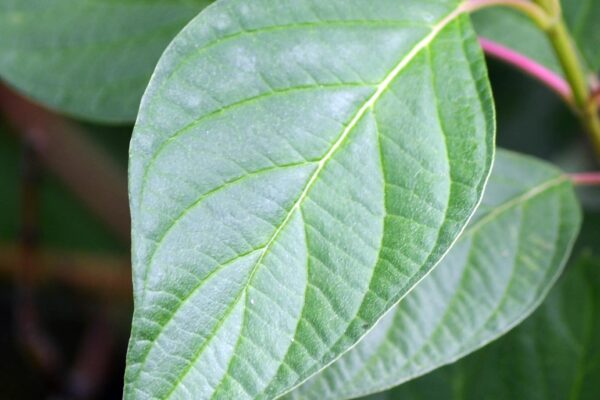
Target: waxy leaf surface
(296, 168)
(496, 274)
(553, 355)
(88, 58)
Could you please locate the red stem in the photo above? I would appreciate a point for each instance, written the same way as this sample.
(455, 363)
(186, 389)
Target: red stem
(107, 277)
(528, 66)
(31, 333)
(93, 363)
(596, 95)
(586, 178)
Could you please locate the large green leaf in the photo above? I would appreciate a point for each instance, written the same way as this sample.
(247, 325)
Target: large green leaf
(297, 167)
(89, 58)
(516, 31)
(500, 269)
(554, 355)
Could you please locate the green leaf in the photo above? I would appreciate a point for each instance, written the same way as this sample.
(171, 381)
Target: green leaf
(514, 30)
(582, 17)
(500, 270)
(296, 168)
(553, 355)
(88, 58)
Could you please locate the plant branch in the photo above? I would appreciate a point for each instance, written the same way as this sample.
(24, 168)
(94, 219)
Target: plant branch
(576, 76)
(586, 179)
(535, 12)
(528, 66)
(547, 14)
(596, 96)
(100, 275)
(64, 149)
(92, 365)
(34, 339)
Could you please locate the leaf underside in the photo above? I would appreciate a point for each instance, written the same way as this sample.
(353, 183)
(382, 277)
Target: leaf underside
(553, 355)
(500, 269)
(296, 168)
(88, 58)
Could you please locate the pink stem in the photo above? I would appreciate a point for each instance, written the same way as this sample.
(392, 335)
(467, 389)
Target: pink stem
(596, 96)
(586, 178)
(530, 67)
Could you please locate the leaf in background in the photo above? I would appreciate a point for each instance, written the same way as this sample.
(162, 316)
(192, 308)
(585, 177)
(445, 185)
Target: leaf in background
(296, 168)
(88, 58)
(514, 30)
(500, 270)
(554, 355)
(583, 19)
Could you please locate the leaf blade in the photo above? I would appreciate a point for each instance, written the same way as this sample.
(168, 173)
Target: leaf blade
(558, 343)
(522, 196)
(86, 58)
(250, 185)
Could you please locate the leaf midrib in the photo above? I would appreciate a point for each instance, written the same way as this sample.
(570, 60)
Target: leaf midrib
(535, 191)
(379, 91)
(521, 199)
(369, 104)
(272, 28)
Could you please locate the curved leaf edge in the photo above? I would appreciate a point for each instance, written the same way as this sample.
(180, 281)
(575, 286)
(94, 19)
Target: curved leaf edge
(564, 258)
(491, 121)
